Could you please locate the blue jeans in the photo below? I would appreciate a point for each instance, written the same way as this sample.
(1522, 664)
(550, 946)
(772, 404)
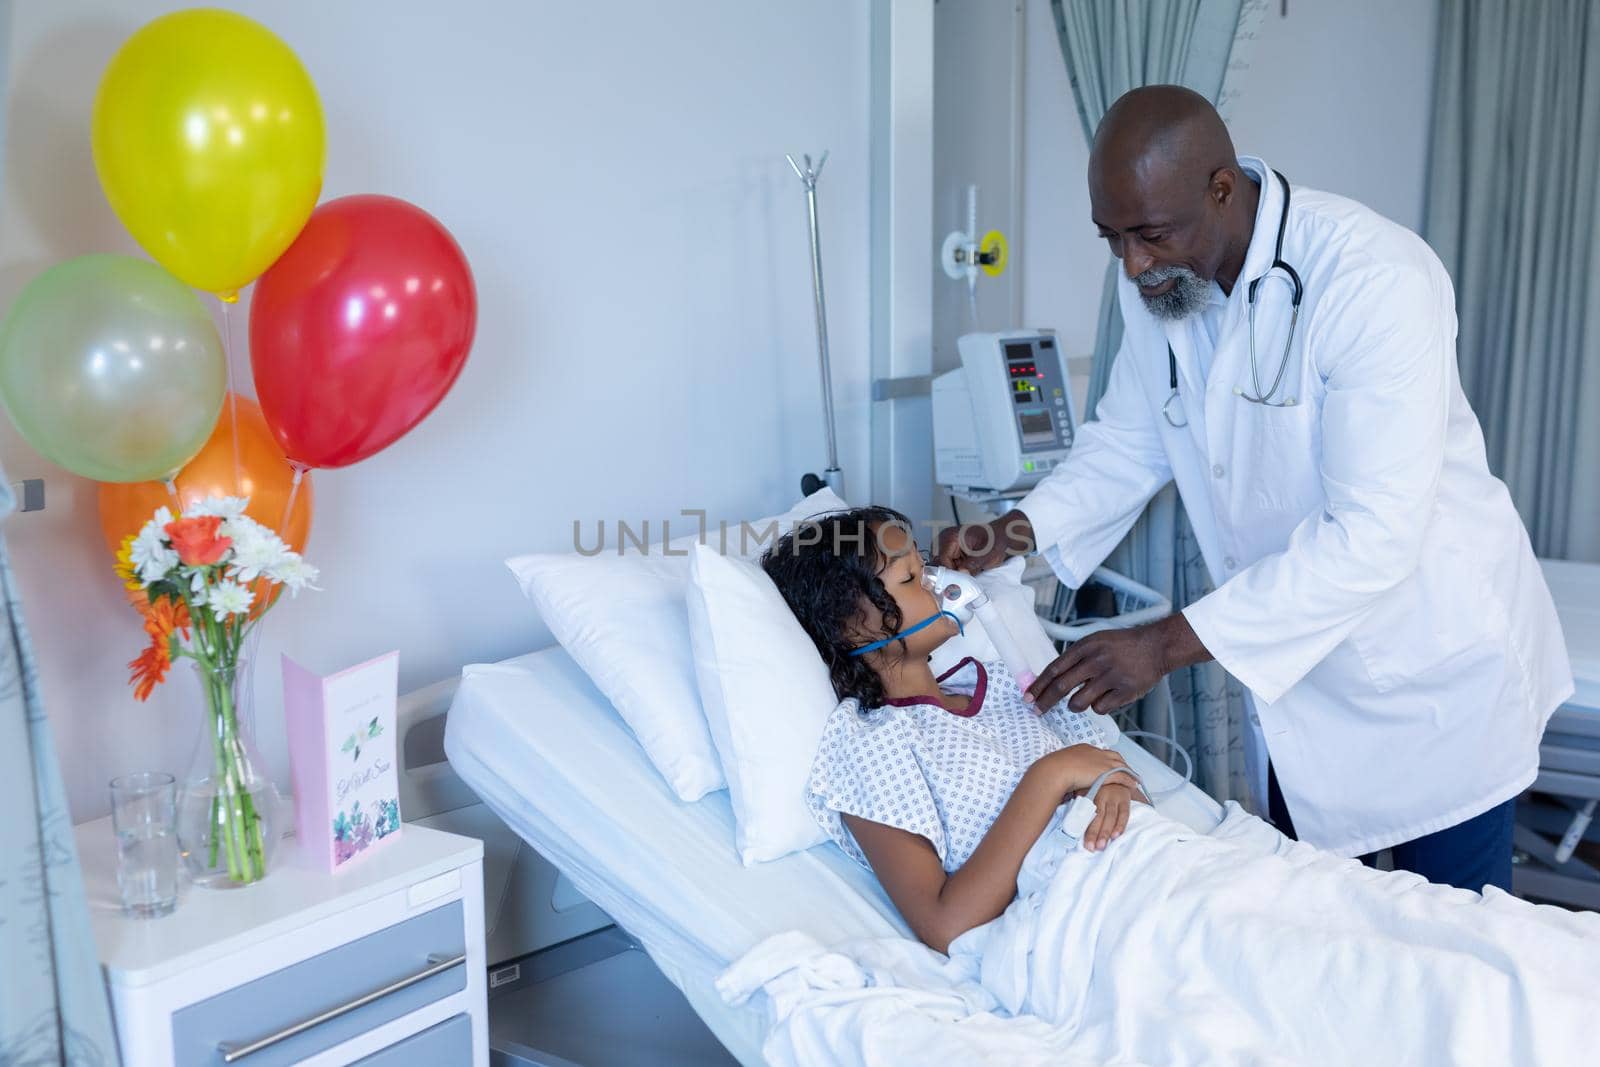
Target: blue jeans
(1470, 855)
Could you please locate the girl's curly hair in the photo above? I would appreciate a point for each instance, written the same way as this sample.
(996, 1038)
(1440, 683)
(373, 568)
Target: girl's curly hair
(825, 568)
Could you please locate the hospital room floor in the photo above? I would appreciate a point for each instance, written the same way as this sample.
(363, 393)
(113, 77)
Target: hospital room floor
(619, 1011)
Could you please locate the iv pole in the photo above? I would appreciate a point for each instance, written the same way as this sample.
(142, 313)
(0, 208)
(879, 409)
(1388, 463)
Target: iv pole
(832, 477)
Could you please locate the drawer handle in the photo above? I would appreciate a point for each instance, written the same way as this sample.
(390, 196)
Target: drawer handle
(233, 1053)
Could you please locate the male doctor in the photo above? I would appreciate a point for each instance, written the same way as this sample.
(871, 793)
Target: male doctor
(1375, 590)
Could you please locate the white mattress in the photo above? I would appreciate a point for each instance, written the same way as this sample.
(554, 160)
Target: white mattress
(549, 755)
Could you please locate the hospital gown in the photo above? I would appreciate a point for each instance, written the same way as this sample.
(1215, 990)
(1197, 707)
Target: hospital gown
(943, 775)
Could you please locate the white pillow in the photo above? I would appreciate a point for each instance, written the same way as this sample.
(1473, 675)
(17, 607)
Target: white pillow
(623, 619)
(767, 693)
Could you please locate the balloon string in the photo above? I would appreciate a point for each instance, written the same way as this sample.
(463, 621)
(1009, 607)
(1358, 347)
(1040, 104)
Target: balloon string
(233, 397)
(294, 491)
(172, 491)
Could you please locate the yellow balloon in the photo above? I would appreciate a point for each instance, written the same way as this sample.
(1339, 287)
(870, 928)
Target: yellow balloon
(209, 142)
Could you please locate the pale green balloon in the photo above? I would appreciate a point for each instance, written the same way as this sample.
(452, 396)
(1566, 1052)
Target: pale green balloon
(112, 368)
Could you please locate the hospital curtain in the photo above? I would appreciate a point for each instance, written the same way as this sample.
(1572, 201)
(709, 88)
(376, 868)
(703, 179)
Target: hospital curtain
(1111, 46)
(53, 1006)
(1513, 210)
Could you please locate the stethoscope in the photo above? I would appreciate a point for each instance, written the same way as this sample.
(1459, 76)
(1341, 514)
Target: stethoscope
(1289, 277)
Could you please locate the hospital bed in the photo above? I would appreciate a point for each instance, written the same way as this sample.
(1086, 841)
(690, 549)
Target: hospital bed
(595, 833)
(550, 756)
(1559, 811)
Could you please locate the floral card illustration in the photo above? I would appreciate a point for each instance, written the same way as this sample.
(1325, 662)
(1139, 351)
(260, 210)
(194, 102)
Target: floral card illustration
(342, 756)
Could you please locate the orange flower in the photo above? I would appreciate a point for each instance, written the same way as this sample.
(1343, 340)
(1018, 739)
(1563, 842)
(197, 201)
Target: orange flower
(149, 670)
(165, 617)
(196, 540)
(162, 619)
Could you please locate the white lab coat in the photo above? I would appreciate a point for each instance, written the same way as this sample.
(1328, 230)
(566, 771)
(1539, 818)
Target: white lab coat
(1375, 589)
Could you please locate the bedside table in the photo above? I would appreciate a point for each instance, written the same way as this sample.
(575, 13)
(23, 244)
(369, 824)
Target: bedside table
(381, 964)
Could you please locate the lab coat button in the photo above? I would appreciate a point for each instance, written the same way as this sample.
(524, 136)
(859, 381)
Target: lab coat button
(1217, 470)
(1230, 563)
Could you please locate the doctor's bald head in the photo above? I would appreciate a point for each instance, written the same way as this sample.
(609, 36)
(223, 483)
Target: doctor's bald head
(1168, 195)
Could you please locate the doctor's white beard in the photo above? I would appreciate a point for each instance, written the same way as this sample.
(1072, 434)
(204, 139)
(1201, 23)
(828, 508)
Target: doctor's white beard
(1188, 296)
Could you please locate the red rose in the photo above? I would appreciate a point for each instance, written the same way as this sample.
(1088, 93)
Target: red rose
(196, 540)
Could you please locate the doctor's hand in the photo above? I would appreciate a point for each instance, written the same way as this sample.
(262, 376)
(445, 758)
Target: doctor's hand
(1113, 668)
(977, 547)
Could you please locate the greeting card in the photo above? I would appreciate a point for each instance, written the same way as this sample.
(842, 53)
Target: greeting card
(342, 757)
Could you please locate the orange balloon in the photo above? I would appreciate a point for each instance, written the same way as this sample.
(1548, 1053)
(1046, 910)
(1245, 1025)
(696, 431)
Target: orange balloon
(262, 474)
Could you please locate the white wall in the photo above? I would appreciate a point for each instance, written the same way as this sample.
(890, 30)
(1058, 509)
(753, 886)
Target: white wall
(979, 47)
(615, 174)
(1336, 95)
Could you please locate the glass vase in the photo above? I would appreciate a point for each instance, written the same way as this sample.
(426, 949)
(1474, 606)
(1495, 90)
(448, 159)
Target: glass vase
(228, 817)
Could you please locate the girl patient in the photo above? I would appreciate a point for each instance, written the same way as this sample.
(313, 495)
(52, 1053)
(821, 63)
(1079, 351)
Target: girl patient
(1234, 946)
(940, 785)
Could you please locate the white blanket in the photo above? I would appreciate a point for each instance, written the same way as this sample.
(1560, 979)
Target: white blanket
(1173, 947)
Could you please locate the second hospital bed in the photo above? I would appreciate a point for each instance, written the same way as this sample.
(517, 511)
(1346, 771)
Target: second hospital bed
(1559, 812)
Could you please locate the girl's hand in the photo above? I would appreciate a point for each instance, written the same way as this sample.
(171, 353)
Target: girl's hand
(1112, 804)
(1079, 765)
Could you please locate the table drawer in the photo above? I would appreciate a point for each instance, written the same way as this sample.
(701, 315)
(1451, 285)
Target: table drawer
(328, 998)
(441, 1044)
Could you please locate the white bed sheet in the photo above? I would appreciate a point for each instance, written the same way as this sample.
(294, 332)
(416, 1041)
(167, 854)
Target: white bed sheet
(551, 757)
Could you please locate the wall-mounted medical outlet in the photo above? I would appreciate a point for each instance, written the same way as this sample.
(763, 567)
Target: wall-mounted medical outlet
(29, 493)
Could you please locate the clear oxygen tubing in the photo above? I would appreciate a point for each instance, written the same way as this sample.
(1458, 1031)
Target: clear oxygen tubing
(960, 594)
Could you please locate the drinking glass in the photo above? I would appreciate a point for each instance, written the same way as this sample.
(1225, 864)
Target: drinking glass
(144, 813)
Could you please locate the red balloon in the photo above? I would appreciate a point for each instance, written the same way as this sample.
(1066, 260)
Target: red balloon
(359, 329)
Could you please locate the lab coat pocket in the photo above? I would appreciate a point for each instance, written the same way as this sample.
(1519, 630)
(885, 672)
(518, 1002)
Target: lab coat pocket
(1436, 620)
(1280, 439)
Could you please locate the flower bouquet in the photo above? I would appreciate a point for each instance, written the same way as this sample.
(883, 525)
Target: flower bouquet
(207, 578)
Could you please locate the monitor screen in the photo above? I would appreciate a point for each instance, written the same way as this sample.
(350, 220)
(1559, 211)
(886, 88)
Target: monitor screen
(1036, 427)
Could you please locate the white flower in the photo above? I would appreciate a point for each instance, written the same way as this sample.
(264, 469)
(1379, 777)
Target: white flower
(151, 556)
(294, 572)
(244, 526)
(256, 549)
(228, 507)
(228, 598)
